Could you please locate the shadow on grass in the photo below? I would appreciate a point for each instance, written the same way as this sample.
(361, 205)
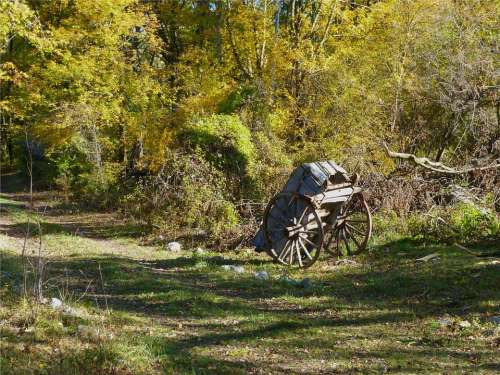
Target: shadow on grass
(391, 287)
(192, 286)
(81, 229)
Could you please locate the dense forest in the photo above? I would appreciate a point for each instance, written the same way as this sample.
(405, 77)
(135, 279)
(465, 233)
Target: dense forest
(189, 114)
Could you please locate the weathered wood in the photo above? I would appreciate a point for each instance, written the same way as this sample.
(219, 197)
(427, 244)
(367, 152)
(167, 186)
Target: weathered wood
(438, 166)
(315, 199)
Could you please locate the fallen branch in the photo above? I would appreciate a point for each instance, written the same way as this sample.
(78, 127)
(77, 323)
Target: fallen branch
(437, 166)
(485, 254)
(428, 257)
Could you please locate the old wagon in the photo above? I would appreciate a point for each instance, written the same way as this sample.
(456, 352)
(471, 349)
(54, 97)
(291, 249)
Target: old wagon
(320, 207)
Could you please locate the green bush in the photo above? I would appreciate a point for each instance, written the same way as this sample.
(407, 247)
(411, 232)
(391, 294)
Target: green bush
(187, 196)
(463, 222)
(81, 180)
(224, 141)
(273, 166)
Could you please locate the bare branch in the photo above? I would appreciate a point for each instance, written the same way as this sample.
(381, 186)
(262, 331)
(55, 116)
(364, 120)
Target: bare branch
(437, 166)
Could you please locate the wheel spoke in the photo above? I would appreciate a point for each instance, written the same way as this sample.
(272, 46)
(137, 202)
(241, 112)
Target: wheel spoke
(347, 207)
(356, 221)
(305, 249)
(290, 261)
(357, 230)
(309, 231)
(353, 238)
(349, 252)
(299, 256)
(302, 216)
(337, 242)
(349, 213)
(284, 252)
(309, 241)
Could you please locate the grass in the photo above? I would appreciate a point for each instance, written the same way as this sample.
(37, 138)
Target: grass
(152, 312)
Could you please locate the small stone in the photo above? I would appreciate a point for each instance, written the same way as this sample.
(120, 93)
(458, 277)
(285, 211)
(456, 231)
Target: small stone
(465, 324)
(261, 275)
(174, 247)
(230, 267)
(56, 303)
(238, 269)
(199, 251)
(495, 319)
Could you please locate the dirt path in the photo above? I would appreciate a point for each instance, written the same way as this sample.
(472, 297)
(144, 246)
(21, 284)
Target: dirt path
(106, 233)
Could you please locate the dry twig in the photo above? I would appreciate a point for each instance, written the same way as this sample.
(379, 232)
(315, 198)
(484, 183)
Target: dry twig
(438, 166)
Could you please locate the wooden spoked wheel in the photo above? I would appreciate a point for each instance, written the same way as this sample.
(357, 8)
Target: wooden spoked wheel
(293, 230)
(353, 228)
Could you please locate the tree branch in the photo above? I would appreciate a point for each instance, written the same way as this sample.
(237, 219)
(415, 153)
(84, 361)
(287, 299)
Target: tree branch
(438, 166)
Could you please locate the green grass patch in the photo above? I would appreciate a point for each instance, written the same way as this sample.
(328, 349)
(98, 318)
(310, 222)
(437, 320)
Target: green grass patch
(154, 312)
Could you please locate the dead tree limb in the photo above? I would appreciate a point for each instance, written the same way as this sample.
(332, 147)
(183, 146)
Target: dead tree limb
(438, 166)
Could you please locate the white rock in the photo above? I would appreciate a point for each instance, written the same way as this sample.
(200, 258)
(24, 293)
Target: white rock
(261, 275)
(465, 324)
(231, 267)
(174, 247)
(199, 251)
(56, 303)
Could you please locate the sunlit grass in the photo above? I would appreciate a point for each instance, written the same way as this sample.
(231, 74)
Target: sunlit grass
(159, 312)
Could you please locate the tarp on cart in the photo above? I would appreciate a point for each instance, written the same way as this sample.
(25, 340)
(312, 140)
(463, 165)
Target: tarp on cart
(308, 179)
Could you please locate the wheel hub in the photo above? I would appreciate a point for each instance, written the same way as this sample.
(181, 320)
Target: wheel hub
(294, 231)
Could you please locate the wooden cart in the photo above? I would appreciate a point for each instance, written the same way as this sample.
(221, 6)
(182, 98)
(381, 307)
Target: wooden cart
(320, 207)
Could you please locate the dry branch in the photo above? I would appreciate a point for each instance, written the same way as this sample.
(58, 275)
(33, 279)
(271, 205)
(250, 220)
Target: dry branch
(438, 166)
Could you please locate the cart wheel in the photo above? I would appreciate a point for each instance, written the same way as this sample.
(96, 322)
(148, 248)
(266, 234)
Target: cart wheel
(293, 230)
(353, 228)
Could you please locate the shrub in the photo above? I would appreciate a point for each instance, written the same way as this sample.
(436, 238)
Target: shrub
(225, 142)
(187, 196)
(273, 166)
(82, 180)
(462, 222)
